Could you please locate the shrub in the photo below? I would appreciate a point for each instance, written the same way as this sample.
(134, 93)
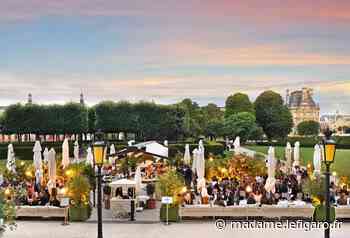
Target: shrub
(170, 184)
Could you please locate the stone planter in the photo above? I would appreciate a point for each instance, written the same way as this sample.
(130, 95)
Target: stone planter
(79, 213)
(173, 214)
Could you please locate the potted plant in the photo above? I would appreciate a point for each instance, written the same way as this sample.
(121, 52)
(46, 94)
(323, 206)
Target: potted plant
(316, 188)
(151, 202)
(78, 192)
(7, 213)
(170, 184)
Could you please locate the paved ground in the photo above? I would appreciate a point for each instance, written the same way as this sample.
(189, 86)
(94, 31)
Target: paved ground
(47, 229)
(146, 216)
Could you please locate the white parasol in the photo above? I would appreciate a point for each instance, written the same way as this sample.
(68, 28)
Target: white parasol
(288, 156)
(271, 168)
(76, 151)
(296, 154)
(65, 153)
(37, 157)
(89, 157)
(237, 145)
(317, 160)
(187, 156)
(11, 161)
(46, 155)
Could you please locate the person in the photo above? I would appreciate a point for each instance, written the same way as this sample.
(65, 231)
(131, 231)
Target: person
(251, 199)
(342, 201)
(44, 198)
(107, 196)
(54, 201)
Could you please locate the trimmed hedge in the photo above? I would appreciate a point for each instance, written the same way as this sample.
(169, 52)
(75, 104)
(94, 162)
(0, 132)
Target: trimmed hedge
(343, 142)
(215, 149)
(24, 151)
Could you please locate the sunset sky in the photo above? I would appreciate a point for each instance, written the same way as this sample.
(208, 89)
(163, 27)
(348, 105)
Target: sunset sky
(166, 50)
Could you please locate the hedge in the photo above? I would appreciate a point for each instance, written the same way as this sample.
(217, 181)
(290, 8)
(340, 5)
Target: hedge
(215, 149)
(343, 142)
(24, 151)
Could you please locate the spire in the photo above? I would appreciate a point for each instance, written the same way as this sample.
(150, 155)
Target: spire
(30, 98)
(82, 98)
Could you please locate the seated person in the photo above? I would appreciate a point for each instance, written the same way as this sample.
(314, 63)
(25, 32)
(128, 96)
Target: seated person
(44, 198)
(251, 199)
(343, 200)
(283, 202)
(53, 200)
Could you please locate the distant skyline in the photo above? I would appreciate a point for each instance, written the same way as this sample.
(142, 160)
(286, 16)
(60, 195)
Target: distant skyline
(167, 50)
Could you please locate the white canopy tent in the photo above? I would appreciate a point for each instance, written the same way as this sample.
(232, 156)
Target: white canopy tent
(271, 170)
(125, 184)
(153, 147)
(317, 160)
(187, 155)
(11, 160)
(296, 154)
(65, 153)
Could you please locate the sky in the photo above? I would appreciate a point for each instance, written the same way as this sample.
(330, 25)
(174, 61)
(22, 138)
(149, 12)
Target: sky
(166, 50)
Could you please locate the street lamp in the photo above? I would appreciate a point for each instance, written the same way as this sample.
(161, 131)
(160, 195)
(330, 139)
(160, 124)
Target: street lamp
(329, 148)
(98, 149)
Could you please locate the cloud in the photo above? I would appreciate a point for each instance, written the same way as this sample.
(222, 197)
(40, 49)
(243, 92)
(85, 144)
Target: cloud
(256, 11)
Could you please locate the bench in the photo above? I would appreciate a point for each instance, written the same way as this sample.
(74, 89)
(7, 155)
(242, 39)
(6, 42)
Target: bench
(304, 212)
(41, 211)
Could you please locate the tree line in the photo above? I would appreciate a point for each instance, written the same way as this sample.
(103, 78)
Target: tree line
(250, 120)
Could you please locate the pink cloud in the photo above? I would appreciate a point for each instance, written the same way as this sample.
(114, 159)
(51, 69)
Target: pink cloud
(254, 11)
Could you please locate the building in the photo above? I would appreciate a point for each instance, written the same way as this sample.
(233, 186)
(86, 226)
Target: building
(302, 106)
(340, 123)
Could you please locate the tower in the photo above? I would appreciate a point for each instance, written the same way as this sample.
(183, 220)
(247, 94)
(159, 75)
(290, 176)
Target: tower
(30, 98)
(82, 98)
(287, 97)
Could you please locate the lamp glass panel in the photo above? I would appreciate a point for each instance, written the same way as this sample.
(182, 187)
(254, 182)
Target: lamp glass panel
(98, 154)
(330, 151)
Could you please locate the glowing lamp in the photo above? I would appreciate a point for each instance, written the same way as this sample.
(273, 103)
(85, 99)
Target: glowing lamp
(248, 189)
(7, 191)
(99, 152)
(329, 147)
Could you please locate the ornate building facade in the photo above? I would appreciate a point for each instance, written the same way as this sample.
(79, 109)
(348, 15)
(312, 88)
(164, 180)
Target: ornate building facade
(302, 106)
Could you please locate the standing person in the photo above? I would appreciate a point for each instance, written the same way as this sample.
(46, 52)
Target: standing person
(107, 196)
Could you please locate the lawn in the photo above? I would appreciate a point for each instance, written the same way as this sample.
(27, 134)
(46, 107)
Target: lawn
(342, 157)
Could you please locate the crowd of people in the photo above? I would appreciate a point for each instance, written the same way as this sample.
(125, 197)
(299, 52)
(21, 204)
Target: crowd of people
(29, 193)
(288, 190)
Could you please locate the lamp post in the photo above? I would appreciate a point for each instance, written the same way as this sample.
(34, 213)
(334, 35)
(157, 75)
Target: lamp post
(329, 148)
(98, 149)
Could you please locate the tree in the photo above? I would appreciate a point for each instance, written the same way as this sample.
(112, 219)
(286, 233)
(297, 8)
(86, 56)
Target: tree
(272, 115)
(241, 124)
(192, 118)
(236, 103)
(213, 121)
(214, 129)
(308, 128)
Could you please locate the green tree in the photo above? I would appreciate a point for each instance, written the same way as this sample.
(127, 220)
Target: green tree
(192, 118)
(272, 115)
(236, 103)
(241, 124)
(308, 128)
